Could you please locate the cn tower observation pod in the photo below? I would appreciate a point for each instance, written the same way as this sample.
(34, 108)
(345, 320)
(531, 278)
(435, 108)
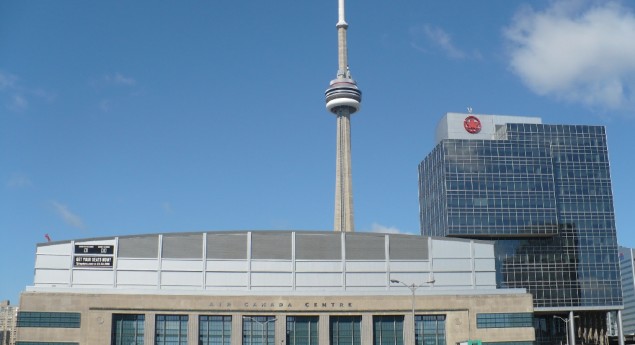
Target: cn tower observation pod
(343, 92)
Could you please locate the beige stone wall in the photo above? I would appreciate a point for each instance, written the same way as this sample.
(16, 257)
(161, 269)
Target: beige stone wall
(97, 310)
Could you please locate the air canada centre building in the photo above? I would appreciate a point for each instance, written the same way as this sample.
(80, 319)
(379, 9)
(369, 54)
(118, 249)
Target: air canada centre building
(270, 288)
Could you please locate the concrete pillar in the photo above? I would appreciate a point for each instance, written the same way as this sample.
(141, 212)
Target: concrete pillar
(149, 325)
(192, 329)
(408, 329)
(367, 328)
(323, 329)
(237, 329)
(281, 329)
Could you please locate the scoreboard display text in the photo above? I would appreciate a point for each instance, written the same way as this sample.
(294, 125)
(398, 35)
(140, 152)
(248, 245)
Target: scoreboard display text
(94, 255)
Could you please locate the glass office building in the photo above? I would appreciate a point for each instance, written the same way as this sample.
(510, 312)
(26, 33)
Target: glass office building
(543, 193)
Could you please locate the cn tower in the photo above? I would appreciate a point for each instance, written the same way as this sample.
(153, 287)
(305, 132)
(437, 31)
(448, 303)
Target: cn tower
(343, 98)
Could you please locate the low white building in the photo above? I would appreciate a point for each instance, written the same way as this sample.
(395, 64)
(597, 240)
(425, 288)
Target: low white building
(262, 287)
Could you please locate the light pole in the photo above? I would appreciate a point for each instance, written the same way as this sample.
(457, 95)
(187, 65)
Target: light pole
(263, 325)
(566, 324)
(413, 287)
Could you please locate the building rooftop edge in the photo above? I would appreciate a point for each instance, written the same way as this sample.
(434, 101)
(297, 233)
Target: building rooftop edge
(394, 291)
(321, 232)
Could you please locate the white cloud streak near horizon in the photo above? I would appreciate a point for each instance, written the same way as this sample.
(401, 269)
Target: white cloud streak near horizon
(382, 229)
(581, 55)
(67, 215)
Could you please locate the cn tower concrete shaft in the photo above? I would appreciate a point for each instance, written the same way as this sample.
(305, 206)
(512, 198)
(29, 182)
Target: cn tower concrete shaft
(343, 98)
(343, 181)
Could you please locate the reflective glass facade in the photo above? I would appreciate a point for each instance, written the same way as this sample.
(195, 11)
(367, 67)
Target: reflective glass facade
(259, 330)
(388, 330)
(504, 320)
(345, 330)
(48, 320)
(171, 330)
(127, 329)
(430, 330)
(302, 330)
(543, 193)
(214, 329)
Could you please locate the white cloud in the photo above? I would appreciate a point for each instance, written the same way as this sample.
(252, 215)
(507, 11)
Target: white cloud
(18, 102)
(576, 52)
(104, 105)
(428, 35)
(7, 81)
(443, 40)
(382, 229)
(120, 79)
(15, 100)
(67, 215)
(16, 96)
(18, 180)
(167, 207)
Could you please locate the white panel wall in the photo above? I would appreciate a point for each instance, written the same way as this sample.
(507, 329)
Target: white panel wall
(318, 279)
(409, 266)
(227, 265)
(451, 249)
(318, 266)
(450, 279)
(53, 261)
(366, 266)
(97, 277)
(454, 264)
(271, 279)
(271, 266)
(137, 278)
(43, 276)
(366, 279)
(182, 265)
(485, 279)
(138, 264)
(412, 278)
(485, 265)
(482, 250)
(226, 279)
(56, 249)
(182, 278)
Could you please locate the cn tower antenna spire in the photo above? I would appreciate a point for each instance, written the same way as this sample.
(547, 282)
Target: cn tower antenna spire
(343, 98)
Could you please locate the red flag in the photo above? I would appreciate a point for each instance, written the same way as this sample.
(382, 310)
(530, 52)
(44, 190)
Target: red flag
(48, 238)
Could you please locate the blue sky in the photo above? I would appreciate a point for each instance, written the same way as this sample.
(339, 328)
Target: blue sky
(125, 117)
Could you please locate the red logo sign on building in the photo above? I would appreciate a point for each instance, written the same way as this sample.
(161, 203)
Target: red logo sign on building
(472, 124)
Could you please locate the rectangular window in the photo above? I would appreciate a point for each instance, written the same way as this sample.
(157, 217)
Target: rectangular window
(171, 330)
(504, 320)
(430, 330)
(259, 330)
(388, 330)
(302, 330)
(345, 330)
(127, 329)
(214, 330)
(48, 320)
